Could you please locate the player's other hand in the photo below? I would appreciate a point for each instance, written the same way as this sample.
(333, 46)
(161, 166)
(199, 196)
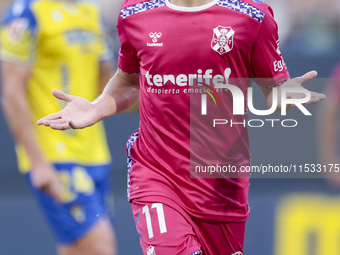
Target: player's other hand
(45, 177)
(79, 113)
(297, 82)
(293, 83)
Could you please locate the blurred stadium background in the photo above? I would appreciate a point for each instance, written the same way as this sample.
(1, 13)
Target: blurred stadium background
(288, 215)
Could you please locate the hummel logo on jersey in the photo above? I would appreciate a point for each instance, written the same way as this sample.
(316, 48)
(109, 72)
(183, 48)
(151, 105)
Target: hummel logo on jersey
(237, 253)
(150, 250)
(155, 36)
(223, 39)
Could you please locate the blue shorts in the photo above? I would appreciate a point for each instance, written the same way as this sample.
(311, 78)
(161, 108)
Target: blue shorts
(85, 192)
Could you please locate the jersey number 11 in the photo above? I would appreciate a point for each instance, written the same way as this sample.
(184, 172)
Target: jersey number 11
(160, 215)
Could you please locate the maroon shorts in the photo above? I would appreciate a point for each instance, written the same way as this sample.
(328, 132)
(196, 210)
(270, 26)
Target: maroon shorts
(166, 229)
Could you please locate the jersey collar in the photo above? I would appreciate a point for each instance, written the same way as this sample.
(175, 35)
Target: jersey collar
(190, 9)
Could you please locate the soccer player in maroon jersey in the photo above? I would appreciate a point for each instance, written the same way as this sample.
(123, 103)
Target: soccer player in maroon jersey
(173, 53)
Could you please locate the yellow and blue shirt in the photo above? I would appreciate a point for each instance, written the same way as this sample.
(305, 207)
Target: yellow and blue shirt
(63, 42)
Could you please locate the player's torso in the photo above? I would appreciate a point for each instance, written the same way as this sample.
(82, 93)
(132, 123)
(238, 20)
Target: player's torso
(183, 53)
(178, 51)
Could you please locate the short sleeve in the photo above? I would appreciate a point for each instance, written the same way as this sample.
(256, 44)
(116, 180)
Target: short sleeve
(268, 65)
(18, 35)
(106, 43)
(128, 60)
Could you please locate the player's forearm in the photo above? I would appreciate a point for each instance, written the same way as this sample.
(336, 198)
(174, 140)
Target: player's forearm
(16, 109)
(291, 94)
(120, 93)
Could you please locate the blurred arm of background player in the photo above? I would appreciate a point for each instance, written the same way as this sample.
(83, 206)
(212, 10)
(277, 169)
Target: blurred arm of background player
(16, 108)
(293, 83)
(327, 133)
(120, 93)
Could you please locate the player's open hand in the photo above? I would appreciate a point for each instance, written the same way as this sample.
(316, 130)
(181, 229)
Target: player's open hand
(79, 113)
(297, 82)
(293, 91)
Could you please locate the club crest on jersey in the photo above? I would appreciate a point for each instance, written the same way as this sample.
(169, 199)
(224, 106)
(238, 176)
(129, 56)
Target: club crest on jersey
(223, 39)
(237, 253)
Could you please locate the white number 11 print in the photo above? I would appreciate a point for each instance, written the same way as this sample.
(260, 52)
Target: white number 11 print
(160, 215)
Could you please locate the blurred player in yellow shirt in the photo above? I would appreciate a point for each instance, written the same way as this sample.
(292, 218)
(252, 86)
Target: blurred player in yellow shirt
(46, 45)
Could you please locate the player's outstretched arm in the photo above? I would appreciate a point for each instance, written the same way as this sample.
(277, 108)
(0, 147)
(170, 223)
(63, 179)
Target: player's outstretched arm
(16, 108)
(119, 94)
(293, 83)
